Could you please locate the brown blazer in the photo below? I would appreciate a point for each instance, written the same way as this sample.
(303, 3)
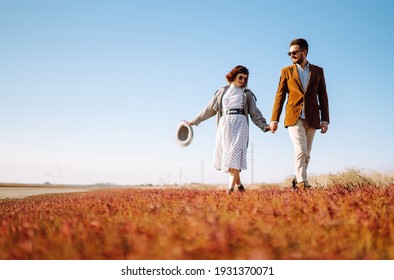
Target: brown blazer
(314, 99)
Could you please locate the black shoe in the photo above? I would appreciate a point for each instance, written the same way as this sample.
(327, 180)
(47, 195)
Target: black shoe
(229, 191)
(294, 183)
(241, 188)
(303, 186)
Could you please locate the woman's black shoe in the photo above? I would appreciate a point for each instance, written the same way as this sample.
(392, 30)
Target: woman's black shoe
(241, 188)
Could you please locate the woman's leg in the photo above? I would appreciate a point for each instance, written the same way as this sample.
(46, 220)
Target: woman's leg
(240, 187)
(239, 179)
(234, 179)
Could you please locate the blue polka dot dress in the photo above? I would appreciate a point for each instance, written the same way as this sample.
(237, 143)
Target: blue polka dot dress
(232, 134)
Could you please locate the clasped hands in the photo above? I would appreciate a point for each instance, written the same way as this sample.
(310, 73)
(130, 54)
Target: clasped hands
(273, 126)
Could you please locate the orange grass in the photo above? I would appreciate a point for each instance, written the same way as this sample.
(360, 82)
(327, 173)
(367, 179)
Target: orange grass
(273, 223)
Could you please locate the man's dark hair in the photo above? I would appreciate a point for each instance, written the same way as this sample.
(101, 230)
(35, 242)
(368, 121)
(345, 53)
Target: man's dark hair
(300, 42)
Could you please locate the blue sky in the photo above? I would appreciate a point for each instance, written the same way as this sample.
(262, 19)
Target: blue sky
(92, 91)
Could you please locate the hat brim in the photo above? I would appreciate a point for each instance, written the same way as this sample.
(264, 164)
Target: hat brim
(184, 134)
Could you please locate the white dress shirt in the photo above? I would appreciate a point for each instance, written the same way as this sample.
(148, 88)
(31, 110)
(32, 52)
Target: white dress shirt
(304, 77)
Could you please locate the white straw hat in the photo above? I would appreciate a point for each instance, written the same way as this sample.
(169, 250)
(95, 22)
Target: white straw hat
(184, 134)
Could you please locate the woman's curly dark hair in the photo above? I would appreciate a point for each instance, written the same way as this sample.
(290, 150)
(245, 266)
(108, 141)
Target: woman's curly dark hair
(239, 69)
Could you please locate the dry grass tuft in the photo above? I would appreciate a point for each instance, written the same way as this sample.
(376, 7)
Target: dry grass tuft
(349, 178)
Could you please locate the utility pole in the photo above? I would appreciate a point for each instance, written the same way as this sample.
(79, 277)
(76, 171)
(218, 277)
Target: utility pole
(252, 160)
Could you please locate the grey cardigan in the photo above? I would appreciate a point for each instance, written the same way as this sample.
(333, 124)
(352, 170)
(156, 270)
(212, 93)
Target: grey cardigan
(214, 107)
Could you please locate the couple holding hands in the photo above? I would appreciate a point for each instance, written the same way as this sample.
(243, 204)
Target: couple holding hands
(306, 111)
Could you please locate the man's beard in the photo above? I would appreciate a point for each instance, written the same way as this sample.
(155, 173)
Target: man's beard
(299, 60)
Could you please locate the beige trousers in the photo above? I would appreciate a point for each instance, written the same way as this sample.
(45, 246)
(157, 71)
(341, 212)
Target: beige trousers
(302, 137)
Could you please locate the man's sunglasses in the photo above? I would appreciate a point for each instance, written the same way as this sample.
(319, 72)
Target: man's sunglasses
(294, 53)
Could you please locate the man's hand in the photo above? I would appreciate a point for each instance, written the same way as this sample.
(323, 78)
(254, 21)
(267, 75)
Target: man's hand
(273, 126)
(323, 127)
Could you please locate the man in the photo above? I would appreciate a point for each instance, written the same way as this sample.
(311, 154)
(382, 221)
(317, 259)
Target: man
(306, 108)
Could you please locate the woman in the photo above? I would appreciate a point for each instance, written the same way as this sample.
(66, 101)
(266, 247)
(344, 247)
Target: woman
(232, 104)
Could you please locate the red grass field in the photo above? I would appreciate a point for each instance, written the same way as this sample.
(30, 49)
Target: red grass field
(190, 224)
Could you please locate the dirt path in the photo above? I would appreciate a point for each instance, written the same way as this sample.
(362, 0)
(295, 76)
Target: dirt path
(21, 192)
